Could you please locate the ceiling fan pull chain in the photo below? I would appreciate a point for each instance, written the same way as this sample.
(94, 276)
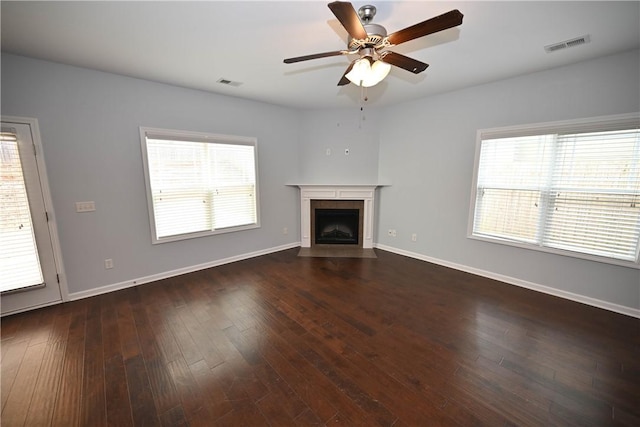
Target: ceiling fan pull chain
(363, 98)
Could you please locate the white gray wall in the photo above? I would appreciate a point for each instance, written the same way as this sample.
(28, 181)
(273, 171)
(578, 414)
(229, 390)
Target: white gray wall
(427, 151)
(338, 130)
(89, 124)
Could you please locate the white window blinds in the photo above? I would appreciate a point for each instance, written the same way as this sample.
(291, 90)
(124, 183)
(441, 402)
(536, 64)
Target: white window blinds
(19, 263)
(574, 191)
(511, 179)
(594, 199)
(199, 184)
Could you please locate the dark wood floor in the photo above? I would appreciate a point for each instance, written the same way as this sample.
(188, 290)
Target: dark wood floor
(282, 340)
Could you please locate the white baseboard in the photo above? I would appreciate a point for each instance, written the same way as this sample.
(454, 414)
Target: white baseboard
(629, 311)
(165, 275)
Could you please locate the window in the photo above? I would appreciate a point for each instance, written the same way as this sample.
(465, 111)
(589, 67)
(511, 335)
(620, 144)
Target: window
(199, 184)
(19, 262)
(570, 188)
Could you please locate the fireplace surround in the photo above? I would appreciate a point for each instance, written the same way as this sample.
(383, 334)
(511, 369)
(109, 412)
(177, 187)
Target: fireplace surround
(326, 194)
(336, 222)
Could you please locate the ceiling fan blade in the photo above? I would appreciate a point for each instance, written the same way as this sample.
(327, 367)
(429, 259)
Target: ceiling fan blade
(344, 80)
(314, 56)
(447, 20)
(348, 17)
(404, 62)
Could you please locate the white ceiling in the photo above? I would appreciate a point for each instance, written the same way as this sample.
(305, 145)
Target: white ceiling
(194, 44)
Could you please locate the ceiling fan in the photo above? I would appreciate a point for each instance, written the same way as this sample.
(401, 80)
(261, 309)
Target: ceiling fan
(370, 42)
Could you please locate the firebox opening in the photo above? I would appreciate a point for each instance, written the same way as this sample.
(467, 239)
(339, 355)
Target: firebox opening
(337, 226)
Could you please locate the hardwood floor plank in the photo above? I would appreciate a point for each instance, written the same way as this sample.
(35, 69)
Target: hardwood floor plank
(287, 340)
(250, 354)
(29, 325)
(272, 407)
(398, 399)
(284, 396)
(21, 394)
(336, 397)
(304, 389)
(127, 333)
(202, 341)
(68, 402)
(192, 400)
(212, 391)
(111, 343)
(626, 417)
(346, 385)
(162, 386)
(117, 403)
(140, 394)
(93, 411)
(9, 325)
(308, 419)
(185, 341)
(330, 337)
(14, 353)
(167, 343)
(248, 415)
(47, 385)
(174, 417)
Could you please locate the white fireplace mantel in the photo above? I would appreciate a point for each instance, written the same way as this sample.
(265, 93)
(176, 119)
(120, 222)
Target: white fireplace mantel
(365, 193)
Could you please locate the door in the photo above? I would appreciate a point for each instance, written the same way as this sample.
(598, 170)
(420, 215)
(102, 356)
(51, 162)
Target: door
(29, 275)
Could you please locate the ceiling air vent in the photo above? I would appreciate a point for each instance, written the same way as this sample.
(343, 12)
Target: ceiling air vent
(568, 43)
(229, 82)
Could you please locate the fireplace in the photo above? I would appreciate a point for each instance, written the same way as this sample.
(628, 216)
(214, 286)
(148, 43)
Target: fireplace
(336, 222)
(340, 197)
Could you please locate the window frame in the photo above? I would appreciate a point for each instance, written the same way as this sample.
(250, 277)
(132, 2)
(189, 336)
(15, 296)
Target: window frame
(201, 137)
(595, 124)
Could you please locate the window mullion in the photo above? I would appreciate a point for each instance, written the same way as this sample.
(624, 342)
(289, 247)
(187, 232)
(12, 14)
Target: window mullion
(548, 193)
(209, 185)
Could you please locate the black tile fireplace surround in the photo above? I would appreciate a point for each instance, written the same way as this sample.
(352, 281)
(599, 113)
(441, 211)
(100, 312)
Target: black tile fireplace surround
(337, 222)
(336, 226)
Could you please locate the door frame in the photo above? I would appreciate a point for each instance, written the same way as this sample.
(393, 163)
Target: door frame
(48, 204)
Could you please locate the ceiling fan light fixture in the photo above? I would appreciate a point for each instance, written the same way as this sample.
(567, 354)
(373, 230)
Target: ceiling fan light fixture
(370, 41)
(367, 73)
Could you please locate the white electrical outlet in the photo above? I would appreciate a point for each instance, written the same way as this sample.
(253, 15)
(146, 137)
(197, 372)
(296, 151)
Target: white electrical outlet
(285, 230)
(391, 232)
(108, 263)
(414, 237)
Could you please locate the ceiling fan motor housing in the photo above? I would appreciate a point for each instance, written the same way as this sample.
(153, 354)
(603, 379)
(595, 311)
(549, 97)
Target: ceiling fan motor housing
(375, 35)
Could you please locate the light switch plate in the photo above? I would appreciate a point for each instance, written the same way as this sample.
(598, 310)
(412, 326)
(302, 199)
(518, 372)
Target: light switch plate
(85, 206)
